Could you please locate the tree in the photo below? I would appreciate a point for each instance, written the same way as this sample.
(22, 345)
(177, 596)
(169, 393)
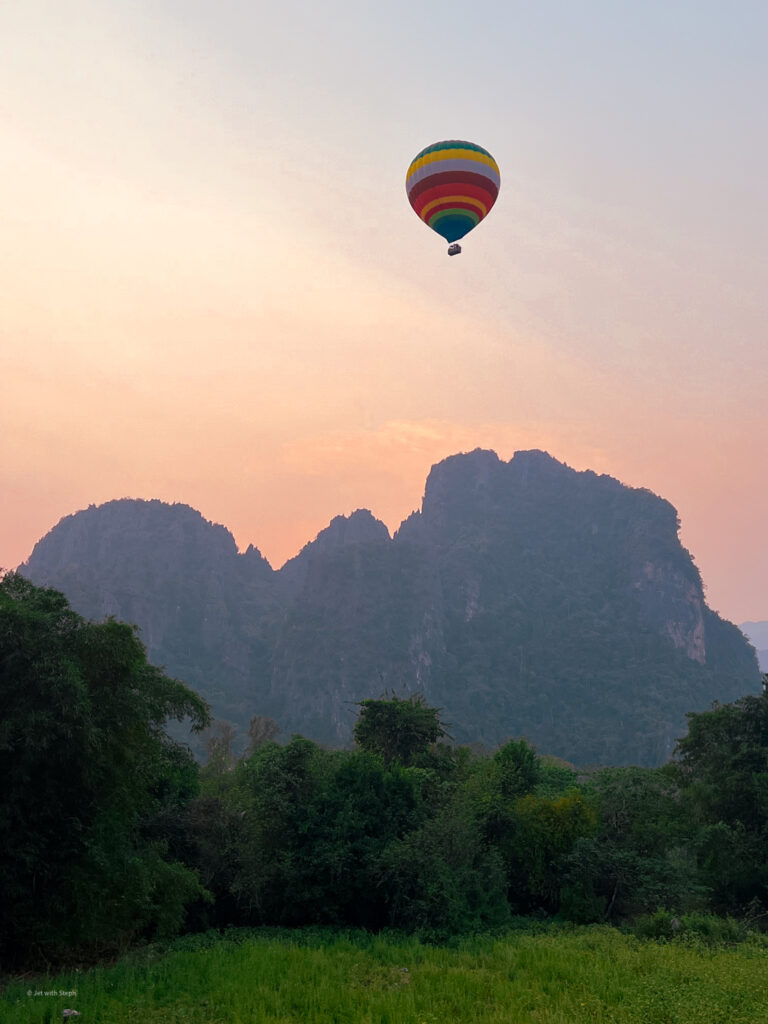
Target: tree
(722, 763)
(517, 769)
(722, 771)
(398, 728)
(442, 878)
(311, 828)
(641, 857)
(497, 782)
(261, 730)
(219, 742)
(86, 766)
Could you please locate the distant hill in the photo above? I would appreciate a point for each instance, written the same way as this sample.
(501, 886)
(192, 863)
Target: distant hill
(757, 634)
(204, 610)
(524, 598)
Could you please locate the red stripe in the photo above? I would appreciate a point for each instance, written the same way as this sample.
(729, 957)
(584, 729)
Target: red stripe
(472, 191)
(454, 206)
(453, 179)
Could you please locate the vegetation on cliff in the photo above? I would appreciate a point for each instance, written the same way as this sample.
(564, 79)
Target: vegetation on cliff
(524, 598)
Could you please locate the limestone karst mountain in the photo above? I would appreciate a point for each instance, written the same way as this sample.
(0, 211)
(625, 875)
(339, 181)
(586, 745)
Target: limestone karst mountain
(524, 598)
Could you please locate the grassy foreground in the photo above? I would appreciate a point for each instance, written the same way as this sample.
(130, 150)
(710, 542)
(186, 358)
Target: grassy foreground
(553, 976)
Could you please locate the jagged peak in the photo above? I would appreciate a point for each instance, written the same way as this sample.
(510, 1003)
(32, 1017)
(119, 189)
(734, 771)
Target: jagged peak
(253, 558)
(537, 458)
(476, 468)
(359, 527)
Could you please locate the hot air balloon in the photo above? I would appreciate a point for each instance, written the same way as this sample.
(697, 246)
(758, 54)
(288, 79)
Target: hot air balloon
(452, 185)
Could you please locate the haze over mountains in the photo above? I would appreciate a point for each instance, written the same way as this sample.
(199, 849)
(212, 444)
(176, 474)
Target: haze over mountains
(757, 634)
(524, 598)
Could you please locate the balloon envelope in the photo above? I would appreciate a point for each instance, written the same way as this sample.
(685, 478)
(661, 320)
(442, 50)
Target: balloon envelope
(452, 186)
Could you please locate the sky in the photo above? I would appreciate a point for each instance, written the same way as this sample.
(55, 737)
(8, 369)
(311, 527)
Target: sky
(214, 291)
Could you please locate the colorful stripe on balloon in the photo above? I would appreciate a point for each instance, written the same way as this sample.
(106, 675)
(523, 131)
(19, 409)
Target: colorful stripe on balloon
(452, 186)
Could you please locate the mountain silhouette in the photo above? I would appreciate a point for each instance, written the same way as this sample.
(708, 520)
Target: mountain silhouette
(524, 598)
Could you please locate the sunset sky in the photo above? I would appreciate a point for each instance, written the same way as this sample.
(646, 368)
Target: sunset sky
(214, 291)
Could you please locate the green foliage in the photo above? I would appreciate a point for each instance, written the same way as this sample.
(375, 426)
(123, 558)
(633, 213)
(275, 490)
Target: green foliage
(397, 728)
(640, 857)
(706, 928)
(130, 839)
(722, 772)
(533, 832)
(495, 783)
(723, 763)
(555, 776)
(86, 767)
(638, 808)
(298, 834)
(545, 832)
(443, 879)
(294, 834)
(517, 769)
(603, 880)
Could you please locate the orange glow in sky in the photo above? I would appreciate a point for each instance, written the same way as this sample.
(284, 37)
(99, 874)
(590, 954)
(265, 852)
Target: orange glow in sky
(213, 290)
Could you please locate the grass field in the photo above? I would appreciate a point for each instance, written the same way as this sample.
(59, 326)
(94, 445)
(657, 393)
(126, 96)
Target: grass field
(557, 976)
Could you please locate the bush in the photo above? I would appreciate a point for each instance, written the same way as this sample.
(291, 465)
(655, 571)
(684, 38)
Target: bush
(706, 928)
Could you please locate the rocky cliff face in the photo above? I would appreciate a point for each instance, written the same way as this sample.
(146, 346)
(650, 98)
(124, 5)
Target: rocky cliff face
(523, 598)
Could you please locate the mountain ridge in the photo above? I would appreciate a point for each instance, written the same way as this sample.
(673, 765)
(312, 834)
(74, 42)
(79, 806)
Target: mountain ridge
(523, 597)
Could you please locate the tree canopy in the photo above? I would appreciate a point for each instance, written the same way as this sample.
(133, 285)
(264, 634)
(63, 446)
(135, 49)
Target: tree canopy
(111, 831)
(398, 728)
(85, 765)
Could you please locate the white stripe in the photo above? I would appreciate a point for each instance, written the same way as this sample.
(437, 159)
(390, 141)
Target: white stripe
(442, 166)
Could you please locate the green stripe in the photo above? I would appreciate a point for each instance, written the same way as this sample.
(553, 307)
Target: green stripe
(453, 212)
(451, 144)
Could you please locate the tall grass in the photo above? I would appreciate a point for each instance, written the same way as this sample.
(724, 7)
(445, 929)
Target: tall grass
(553, 976)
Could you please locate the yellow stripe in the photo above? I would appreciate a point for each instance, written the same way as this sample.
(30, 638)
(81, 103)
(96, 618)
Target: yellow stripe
(455, 154)
(452, 154)
(453, 199)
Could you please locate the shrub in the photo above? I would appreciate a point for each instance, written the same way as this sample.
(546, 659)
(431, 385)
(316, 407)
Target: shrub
(706, 928)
